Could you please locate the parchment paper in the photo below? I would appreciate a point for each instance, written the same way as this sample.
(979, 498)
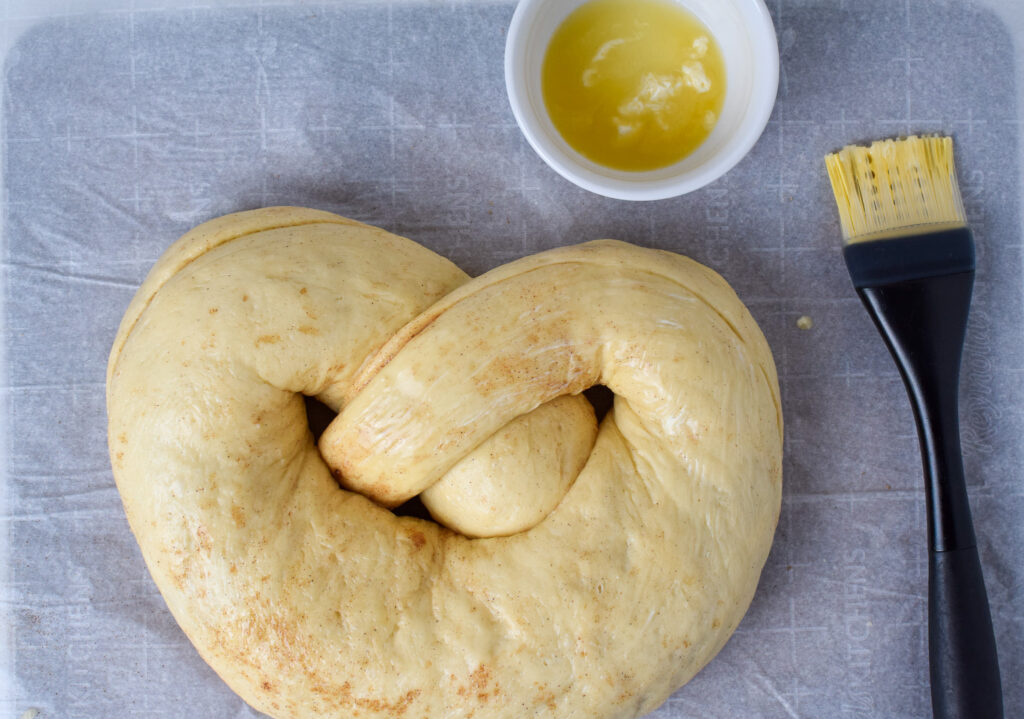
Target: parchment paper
(123, 129)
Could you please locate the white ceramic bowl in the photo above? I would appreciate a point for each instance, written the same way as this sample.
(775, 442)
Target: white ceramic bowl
(746, 36)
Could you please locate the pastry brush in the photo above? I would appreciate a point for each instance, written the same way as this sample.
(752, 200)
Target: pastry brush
(911, 259)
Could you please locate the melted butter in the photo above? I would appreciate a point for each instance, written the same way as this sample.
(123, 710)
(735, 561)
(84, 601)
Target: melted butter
(633, 84)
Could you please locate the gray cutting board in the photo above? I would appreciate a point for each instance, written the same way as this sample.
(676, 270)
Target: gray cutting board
(124, 129)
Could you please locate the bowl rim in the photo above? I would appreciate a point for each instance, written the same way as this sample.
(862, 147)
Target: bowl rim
(765, 56)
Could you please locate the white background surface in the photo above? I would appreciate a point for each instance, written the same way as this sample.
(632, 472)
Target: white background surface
(125, 123)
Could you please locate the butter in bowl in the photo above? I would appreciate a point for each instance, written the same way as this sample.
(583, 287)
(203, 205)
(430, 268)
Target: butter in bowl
(641, 100)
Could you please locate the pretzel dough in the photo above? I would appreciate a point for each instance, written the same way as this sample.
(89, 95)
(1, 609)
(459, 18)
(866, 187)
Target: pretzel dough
(314, 601)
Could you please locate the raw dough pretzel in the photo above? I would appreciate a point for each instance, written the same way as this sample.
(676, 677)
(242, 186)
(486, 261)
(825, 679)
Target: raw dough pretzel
(313, 601)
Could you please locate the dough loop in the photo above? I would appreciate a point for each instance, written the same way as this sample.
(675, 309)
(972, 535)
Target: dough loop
(631, 550)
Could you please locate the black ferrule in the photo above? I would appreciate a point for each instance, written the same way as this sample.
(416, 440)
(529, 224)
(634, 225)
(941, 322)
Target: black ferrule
(915, 257)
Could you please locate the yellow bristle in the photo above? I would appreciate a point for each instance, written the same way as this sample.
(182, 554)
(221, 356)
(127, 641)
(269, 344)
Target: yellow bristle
(896, 188)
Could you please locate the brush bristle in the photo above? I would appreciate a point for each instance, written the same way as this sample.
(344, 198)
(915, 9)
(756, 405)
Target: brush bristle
(896, 188)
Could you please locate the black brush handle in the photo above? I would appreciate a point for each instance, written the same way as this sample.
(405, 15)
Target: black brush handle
(964, 669)
(923, 322)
